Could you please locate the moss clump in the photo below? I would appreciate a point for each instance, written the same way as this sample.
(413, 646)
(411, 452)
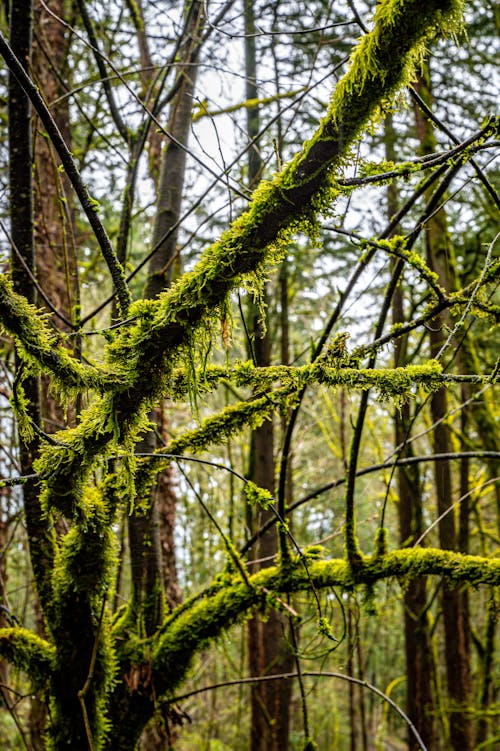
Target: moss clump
(29, 653)
(39, 348)
(257, 496)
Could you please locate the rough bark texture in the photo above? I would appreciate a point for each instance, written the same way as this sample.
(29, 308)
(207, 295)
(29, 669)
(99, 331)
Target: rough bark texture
(440, 258)
(23, 262)
(54, 220)
(418, 647)
(268, 647)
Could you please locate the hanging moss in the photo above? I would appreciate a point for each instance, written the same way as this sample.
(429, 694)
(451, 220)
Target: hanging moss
(39, 348)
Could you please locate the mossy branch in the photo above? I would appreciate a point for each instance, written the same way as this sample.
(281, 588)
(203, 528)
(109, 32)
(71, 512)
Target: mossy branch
(384, 61)
(329, 369)
(28, 652)
(189, 633)
(38, 347)
(393, 383)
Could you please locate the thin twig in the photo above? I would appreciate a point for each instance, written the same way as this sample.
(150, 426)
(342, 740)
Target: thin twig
(83, 691)
(309, 674)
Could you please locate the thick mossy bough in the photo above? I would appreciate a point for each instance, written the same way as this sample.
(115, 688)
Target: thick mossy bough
(103, 679)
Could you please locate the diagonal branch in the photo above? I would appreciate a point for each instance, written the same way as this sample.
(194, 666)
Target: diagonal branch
(383, 61)
(88, 204)
(38, 344)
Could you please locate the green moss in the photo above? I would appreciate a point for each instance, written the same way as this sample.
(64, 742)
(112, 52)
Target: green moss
(29, 653)
(325, 628)
(257, 496)
(39, 348)
(165, 332)
(188, 632)
(381, 541)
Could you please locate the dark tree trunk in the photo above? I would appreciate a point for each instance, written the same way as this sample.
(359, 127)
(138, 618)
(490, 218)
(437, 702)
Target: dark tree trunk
(418, 648)
(456, 627)
(23, 273)
(268, 650)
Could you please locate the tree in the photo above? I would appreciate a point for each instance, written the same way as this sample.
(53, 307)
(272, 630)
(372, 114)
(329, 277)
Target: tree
(104, 675)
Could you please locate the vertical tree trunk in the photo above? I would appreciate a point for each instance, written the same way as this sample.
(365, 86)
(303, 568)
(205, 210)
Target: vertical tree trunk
(418, 650)
(353, 703)
(54, 230)
(23, 273)
(440, 259)
(54, 226)
(4, 620)
(56, 267)
(154, 572)
(268, 652)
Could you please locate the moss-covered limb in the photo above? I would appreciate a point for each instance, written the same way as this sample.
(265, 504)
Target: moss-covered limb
(324, 370)
(383, 61)
(377, 173)
(112, 421)
(189, 633)
(29, 653)
(38, 347)
(230, 421)
(392, 383)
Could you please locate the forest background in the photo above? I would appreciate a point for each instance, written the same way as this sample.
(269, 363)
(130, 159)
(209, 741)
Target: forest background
(249, 444)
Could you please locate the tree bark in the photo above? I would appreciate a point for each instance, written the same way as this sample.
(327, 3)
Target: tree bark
(440, 259)
(420, 667)
(152, 544)
(23, 273)
(268, 648)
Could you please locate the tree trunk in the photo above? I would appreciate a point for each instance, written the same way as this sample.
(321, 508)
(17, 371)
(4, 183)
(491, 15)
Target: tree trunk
(23, 273)
(418, 649)
(154, 573)
(440, 259)
(268, 651)
(54, 220)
